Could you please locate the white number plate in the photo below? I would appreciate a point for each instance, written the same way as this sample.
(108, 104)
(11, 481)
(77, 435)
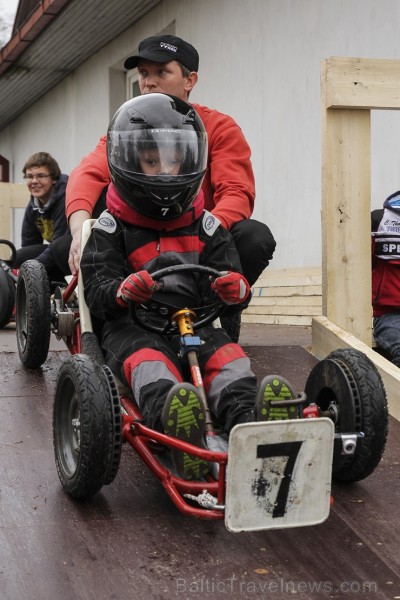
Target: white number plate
(279, 474)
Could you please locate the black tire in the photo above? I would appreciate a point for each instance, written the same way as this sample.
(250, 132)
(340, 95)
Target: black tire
(348, 384)
(87, 427)
(91, 346)
(7, 298)
(33, 314)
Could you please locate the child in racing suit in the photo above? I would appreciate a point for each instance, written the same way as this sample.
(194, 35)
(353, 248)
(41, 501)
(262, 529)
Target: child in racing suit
(155, 218)
(385, 225)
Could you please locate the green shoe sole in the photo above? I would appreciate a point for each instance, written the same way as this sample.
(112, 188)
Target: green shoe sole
(183, 417)
(274, 388)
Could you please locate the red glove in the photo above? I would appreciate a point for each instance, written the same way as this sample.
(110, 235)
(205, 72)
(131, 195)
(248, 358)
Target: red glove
(231, 287)
(137, 287)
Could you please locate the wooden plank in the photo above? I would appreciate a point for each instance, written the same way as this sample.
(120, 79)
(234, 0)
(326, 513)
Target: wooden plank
(289, 296)
(5, 201)
(289, 316)
(361, 83)
(326, 337)
(313, 303)
(12, 195)
(346, 192)
(291, 272)
(281, 278)
(276, 319)
(289, 291)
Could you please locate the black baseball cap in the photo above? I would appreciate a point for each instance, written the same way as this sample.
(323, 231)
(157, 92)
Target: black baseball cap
(163, 49)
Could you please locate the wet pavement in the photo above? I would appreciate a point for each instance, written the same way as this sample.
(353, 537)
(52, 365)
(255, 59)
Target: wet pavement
(130, 542)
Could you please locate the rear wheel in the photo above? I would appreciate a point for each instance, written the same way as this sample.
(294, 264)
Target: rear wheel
(33, 314)
(87, 427)
(7, 298)
(348, 386)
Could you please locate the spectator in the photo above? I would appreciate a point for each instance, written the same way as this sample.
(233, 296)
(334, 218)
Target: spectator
(44, 220)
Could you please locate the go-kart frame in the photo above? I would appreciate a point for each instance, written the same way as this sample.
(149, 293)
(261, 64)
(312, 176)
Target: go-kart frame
(93, 415)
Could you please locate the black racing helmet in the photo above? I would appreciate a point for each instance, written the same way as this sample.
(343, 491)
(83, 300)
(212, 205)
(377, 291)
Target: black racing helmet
(157, 155)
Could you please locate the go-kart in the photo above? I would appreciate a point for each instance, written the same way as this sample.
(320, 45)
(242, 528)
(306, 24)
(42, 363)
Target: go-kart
(8, 279)
(275, 474)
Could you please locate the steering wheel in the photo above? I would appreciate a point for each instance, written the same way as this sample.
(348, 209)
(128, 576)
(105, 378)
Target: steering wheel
(142, 313)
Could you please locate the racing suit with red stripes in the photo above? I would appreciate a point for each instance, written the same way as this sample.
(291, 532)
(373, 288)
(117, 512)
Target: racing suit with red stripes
(228, 186)
(148, 362)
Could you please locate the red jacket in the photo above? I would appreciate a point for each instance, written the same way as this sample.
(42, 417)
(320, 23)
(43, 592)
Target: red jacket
(228, 185)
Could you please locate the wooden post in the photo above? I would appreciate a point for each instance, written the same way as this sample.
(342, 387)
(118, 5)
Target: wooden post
(12, 195)
(346, 239)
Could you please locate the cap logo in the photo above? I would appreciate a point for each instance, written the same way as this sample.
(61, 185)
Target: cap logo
(168, 47)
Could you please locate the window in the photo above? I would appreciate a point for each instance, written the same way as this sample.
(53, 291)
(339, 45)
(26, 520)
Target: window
(132, 84)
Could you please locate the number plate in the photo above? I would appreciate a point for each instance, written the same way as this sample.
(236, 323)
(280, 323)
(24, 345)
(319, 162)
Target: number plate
(279, 474)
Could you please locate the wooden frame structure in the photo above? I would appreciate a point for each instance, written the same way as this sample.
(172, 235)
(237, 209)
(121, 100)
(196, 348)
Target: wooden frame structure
(11, 196)
(350, 89)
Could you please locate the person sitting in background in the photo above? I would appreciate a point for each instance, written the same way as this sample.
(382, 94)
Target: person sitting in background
(44, 222)
(168, 64)
(385, 226)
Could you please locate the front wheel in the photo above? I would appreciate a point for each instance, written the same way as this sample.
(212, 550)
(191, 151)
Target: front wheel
(348, 386)
(33, 314)
(87, 426)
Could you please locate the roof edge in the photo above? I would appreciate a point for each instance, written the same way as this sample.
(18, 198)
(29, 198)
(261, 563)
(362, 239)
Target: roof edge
(31, 29)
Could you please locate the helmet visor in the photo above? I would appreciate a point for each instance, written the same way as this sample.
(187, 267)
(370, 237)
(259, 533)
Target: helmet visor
(158, 152)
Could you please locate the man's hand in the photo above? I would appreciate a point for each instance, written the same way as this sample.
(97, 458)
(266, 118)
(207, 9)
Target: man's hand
(75, 254)
(231, 287)
(137, 287)
(76, 221)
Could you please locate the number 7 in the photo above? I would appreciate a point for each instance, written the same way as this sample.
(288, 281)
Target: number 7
(291, 450)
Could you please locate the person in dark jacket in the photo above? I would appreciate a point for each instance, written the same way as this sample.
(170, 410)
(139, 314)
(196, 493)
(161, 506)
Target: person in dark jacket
(44, 223)
(385, 225)
(155, 218)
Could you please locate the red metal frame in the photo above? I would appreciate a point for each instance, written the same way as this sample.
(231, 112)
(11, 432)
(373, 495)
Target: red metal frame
(141, 438)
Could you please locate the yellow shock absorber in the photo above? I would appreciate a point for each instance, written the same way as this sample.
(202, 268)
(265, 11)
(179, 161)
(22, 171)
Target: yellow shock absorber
(184, 319)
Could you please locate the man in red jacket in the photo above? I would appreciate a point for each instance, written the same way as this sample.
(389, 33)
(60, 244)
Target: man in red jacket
(168, 64)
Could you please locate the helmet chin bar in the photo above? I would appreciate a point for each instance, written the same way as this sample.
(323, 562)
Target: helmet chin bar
(168, 203)
(165, 198)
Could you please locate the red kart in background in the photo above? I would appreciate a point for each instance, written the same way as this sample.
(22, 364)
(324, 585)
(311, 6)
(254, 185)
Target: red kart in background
(8, 280)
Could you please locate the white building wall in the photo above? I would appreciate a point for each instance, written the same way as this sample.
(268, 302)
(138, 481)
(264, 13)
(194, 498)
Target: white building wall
(259, 62)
